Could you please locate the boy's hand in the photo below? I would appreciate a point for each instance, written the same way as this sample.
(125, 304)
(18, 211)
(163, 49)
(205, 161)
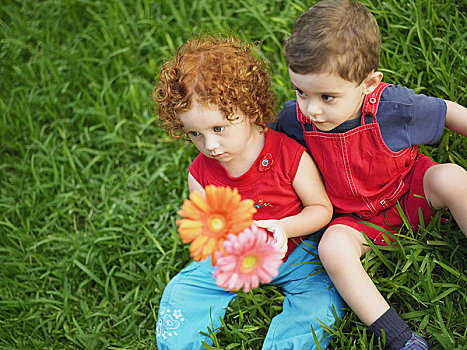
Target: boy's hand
(277, 231)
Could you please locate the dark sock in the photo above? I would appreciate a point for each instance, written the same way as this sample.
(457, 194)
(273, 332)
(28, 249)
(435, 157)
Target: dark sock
(396, 330)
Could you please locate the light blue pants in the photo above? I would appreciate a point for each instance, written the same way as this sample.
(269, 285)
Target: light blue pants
(192, 301)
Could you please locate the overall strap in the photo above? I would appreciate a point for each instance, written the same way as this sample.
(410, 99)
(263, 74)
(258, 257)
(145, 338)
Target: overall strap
(300, 116)
(303, 119)
(371, 102)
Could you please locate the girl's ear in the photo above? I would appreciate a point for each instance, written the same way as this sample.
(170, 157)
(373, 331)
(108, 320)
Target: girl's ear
(371, 82)
(252, 120)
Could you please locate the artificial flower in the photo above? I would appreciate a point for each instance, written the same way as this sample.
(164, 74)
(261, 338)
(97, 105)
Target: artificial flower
(251, 258)
(206, 221)
(266, 162)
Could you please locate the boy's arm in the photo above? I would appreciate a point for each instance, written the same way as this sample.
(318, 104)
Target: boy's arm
(456, 118)
(317, 208)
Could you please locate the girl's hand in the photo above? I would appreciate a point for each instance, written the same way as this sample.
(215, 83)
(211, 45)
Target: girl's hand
(277, 231)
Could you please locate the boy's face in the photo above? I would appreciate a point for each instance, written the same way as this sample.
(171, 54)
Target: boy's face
(326, 99)
(217, 137)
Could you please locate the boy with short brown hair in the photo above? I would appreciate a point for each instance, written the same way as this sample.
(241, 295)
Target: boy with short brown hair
(364, 134)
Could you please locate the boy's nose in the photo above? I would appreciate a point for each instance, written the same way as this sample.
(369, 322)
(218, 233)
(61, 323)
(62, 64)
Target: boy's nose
(313, 109)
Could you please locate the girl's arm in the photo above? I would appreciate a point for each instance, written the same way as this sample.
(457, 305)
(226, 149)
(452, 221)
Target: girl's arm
(456, 118)
(317, 208)
(194, 185)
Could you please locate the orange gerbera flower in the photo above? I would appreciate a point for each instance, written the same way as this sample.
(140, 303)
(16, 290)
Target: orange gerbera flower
(206, 221)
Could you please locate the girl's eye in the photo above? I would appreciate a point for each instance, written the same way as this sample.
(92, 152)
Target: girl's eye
(193, 133)
(327, 98)
(300, 92)
(218, 128)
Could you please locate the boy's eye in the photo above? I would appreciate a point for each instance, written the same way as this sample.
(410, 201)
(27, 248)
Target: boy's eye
(300, 92)
(193, 133)
(218, 128)
(327, 98)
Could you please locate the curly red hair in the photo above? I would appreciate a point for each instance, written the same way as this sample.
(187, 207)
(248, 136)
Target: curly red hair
(217, 73)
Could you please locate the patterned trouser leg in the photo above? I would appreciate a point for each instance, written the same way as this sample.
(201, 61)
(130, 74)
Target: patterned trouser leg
(191, 302)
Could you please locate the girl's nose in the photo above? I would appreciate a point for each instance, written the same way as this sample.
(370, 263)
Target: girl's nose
(211, 142)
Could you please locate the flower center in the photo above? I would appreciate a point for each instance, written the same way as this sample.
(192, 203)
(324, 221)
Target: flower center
(216, 222)
(249, 263)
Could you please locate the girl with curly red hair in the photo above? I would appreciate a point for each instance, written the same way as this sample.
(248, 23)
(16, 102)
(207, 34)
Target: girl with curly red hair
(215, 92)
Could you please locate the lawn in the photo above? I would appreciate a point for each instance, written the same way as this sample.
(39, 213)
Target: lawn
(90, 185)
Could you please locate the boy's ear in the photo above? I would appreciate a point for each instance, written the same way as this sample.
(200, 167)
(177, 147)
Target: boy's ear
(371, 82)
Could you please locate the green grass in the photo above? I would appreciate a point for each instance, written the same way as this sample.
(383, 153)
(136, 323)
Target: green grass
(90, 186)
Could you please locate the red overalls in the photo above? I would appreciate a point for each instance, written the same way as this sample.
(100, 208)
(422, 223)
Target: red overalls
(364, 178)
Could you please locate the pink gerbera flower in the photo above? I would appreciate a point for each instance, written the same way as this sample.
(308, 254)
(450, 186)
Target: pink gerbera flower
(251, 258)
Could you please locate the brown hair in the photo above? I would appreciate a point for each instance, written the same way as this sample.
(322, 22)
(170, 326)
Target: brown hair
(217, 73)
(335, 36)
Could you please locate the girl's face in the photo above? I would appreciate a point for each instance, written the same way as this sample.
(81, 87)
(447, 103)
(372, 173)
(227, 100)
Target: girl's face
(229, 142)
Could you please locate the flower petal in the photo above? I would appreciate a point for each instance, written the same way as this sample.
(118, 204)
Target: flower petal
(199, 201)
(213, 216)
(252, 259)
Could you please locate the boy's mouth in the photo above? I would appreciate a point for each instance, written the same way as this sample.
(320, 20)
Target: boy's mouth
(316, 121)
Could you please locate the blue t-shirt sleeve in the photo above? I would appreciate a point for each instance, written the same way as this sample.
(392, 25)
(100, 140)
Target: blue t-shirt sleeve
(428, 119)
(287, 122)
(407, 118)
